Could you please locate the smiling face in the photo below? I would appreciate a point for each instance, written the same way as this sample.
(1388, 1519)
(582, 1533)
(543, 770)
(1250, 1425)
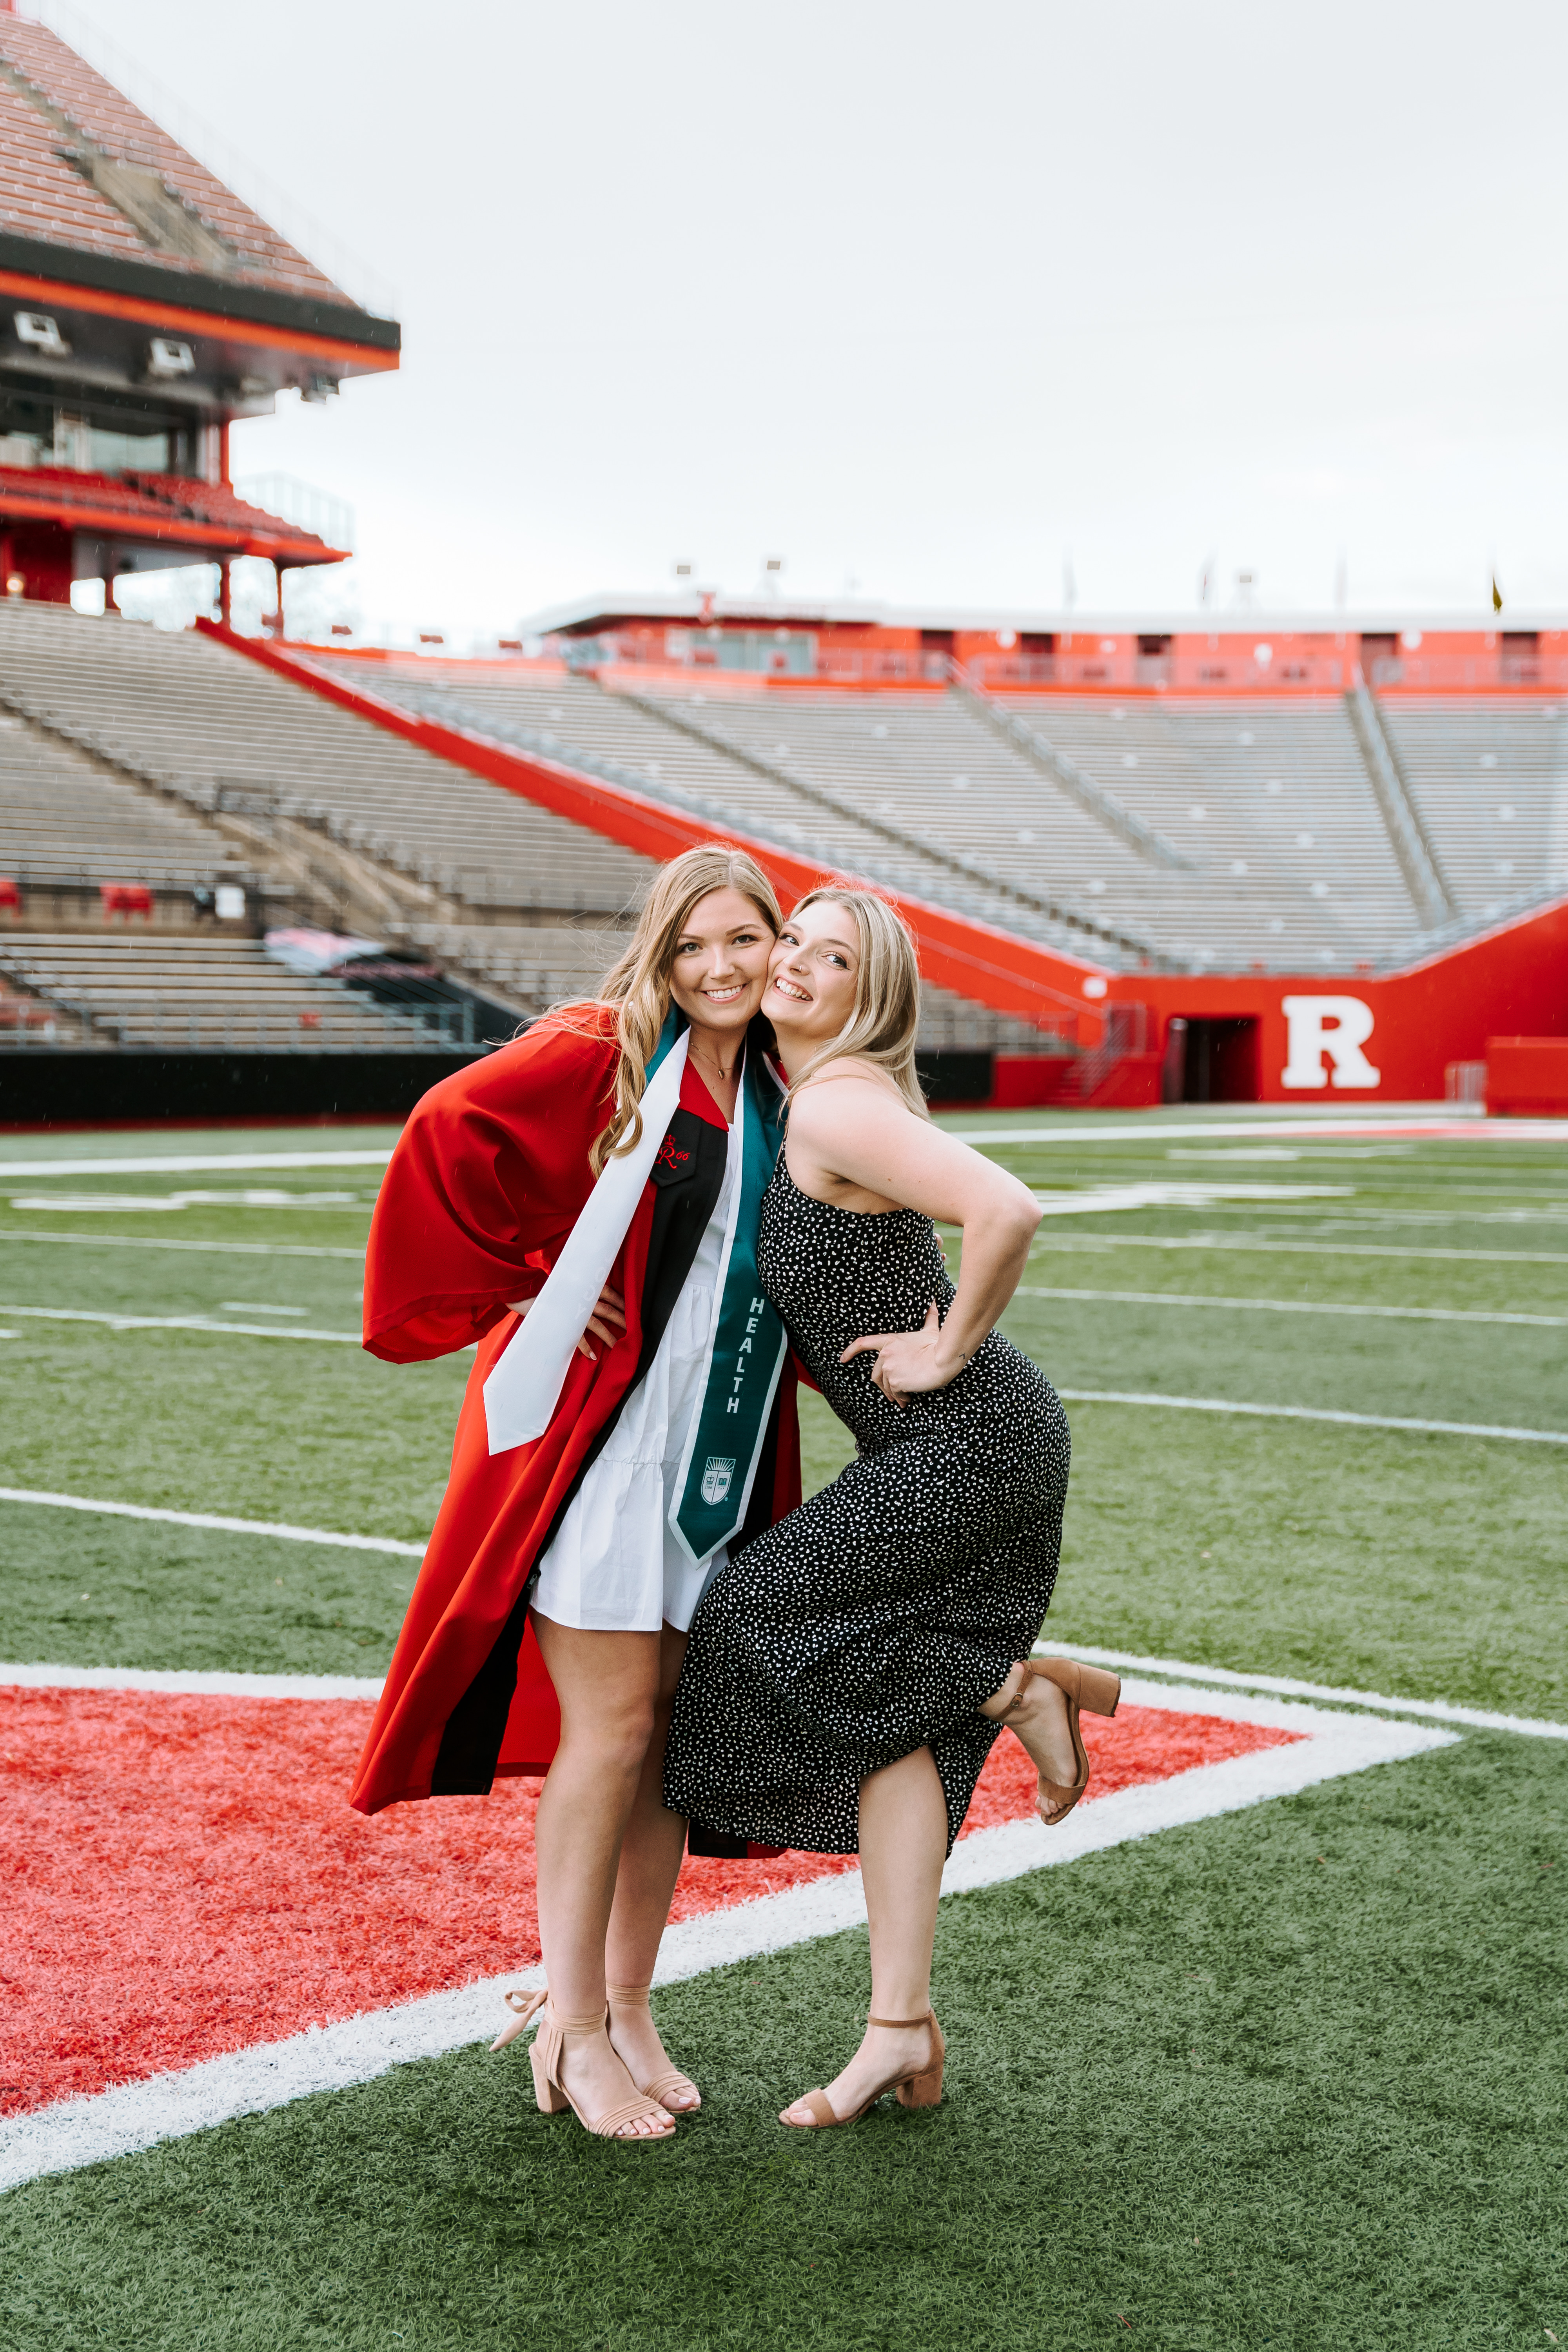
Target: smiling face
(811, 975)
(721, 964)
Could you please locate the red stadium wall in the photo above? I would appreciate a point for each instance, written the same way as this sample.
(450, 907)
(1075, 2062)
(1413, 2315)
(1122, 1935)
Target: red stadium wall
(1513, 980)
(1314, 1040)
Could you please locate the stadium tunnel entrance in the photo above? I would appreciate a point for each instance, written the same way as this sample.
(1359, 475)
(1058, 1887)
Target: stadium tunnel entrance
(1210, 1061)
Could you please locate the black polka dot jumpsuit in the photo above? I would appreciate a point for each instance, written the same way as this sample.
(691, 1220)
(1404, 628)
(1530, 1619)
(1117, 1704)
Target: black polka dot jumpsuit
(875, 1618)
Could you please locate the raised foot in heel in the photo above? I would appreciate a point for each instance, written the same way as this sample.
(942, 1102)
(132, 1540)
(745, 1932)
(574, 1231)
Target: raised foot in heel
(1082, 1687)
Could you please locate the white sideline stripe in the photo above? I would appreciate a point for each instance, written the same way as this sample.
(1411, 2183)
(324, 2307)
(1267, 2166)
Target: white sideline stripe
(1270, 1247)
(1277, 1306)
(179, 1323)
(1442, 1710)
(191, 1163)
(1439, 1128)
(136, 2115)
(1197, 1681)
(145, 1241)
(174, 1682)
(213, 1519)
(1315, 1413)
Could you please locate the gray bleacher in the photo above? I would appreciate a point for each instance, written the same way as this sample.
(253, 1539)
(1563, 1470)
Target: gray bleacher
(200, 719)
(823, 814)
(195, 995)
(1277, 855)
(1286, 863)
(1490, 775)
(63, 822)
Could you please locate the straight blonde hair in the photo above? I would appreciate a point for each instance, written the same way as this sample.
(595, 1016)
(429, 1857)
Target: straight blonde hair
(881, 1028)
(637, 987)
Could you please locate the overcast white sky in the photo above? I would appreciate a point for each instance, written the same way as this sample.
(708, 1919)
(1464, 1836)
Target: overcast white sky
(924, 299)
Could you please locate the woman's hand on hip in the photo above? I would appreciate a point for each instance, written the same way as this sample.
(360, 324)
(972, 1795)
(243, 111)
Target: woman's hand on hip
(606, 1324)
(910, 1363)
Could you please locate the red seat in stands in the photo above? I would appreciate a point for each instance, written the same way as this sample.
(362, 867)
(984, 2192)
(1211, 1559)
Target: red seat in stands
(126, 899)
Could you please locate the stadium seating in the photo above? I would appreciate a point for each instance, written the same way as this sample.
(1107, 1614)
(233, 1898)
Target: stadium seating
(1491, 774)
(1286, 863)
(186, 995)
(62, 821)
(199, 720)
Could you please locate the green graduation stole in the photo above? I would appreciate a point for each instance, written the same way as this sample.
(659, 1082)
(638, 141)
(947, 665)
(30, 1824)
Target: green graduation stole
(747, 1342)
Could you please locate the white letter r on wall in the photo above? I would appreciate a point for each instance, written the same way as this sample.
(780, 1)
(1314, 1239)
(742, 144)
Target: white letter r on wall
(1338, 1026)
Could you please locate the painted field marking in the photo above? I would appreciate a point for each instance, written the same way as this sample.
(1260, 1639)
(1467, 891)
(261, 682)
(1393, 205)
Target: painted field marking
(1440, 1710)
(1269, 1246)
(1353, 1217)
(177, 1323)
(135, 2115)
(1314, 1412)
(204, 1682)
(157, 1241)
(1289, 1306)
(190, 1163)
(211, 1520)
(1180, 1192)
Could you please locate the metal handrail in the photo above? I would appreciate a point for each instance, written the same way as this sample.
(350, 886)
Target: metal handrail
(1092, 798)
(1412, 845)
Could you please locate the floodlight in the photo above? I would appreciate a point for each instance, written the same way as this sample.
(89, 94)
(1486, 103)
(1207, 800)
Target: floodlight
(168, 357)
(36, 327)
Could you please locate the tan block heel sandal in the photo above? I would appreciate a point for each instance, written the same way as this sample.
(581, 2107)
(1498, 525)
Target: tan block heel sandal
(922, 2088)
(546, 2058)
(1082, 1686)
(672, 2083)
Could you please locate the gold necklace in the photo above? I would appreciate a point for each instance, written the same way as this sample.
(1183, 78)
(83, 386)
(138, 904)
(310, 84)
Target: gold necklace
(726, 1074)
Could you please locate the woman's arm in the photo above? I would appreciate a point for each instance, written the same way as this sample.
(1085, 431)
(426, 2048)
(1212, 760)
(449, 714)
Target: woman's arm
(858, 1135)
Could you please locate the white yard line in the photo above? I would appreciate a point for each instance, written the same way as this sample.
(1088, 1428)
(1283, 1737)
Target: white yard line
(1267, 1246)
(147, 1241)
(1314, 1412)
(1180, 1193)
(1285, 1306)
(1440, 1710)
(279, 1528)
(136, 2115)
(177, 1323)
(191, 1163)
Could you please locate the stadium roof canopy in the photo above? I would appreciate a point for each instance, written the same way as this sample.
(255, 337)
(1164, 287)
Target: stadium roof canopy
(101, 208)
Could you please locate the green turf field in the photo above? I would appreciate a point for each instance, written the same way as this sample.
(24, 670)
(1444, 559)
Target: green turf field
(1292, 2077)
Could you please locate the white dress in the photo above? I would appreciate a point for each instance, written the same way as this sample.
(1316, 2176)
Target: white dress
(616, 1565)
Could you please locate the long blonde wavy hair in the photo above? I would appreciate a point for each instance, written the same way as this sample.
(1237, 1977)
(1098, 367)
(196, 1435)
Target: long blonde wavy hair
(887, 1014)
(637, 987)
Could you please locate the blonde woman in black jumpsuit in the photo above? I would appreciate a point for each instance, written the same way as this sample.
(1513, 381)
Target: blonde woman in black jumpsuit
(849, 1671)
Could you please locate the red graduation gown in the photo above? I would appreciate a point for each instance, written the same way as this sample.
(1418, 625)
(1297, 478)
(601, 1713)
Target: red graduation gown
(487, 1178)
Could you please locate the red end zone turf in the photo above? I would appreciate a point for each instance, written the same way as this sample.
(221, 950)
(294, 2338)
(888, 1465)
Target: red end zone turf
(185, 1876)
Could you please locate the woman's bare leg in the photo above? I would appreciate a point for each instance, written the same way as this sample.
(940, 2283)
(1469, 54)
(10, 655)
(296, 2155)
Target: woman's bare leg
(903, 1845)
(651, 1851)
(608, 1684)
